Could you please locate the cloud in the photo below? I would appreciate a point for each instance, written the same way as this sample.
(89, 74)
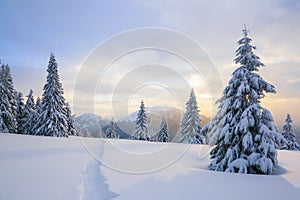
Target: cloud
(217, 26)
(32, 32)
(151, 56)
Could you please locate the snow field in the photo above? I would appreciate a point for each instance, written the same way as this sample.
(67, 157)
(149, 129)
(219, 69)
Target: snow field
(35, 167)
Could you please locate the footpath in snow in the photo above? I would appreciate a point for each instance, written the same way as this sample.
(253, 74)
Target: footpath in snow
(33, 167)
(93, 186)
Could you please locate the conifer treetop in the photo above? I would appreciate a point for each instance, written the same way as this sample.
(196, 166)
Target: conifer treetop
(289, 135)
(163, 134)
(53, 119)
(191, 122)
(245, 55)
(242, 130)
(141, 129)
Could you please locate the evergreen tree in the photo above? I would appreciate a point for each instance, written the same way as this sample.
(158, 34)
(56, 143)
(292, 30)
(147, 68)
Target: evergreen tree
(21, 115)
(29, 110)
(3, 126)
(30, 101)
(83, 132)
(52, 120)
(141, 129)
(71, 121)
(8, 87)
(242, 129)
(33, 119)
(163, 134)
(6, 118)
(86, 133)
(289, 135)
(200, 137)
(38, 105)
(191, 122)
(153, 138)
(111, 130)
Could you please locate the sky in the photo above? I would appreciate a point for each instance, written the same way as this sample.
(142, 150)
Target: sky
(83, 34)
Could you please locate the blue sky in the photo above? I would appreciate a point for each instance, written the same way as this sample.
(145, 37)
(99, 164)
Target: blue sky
(31, 29)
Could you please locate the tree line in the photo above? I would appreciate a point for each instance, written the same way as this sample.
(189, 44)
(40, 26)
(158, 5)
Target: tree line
(49, 116)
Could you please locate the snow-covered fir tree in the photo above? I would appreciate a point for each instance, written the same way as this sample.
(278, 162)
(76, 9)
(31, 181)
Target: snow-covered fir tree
(163, 134)
(141, 129)
(153, 138)
(191, 122)
(8, 87)
(71, 121)
(38, 105)
(52, 120)
(8, 84)
(21, 115)
(29, 109)
(30, 101)
(111, 130)
(6, 117)
(242, 128)
(3, 126)
(33, 119)
(83, 132)
(289, 135)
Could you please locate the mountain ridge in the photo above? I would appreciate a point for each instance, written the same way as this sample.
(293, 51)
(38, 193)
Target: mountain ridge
(126, 125)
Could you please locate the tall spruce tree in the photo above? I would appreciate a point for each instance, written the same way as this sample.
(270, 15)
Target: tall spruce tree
(191, 122)
(33, 119)
(245, 143)
(163, 134)
(111, 130)
(3, 114)
(52, 120)
(21, 114)
(6, 117)
(38, 105)
(289, 135)
(29, 109)
(141, 129)
(8, 87)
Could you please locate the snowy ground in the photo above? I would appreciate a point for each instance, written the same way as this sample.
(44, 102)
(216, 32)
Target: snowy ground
(83, 168)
